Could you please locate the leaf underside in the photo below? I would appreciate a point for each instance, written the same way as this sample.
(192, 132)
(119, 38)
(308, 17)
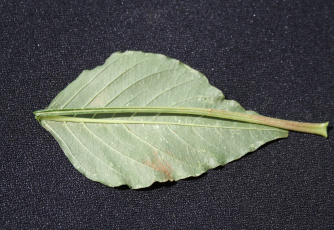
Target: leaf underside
(173, 146)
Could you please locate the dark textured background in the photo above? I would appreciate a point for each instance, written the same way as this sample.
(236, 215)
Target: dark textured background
(274, 57)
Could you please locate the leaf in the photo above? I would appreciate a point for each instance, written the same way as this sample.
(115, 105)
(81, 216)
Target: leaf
(142, 117)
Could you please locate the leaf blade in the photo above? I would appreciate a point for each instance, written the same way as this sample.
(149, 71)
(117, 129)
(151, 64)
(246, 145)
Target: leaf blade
(139, 149)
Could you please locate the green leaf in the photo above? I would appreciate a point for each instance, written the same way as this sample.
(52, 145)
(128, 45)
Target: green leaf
(142, 117)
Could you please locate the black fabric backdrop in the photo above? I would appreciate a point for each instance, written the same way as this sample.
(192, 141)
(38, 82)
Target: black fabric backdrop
(273, 57)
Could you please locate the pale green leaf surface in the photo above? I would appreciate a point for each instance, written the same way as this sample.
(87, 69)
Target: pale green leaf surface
(173, 146)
